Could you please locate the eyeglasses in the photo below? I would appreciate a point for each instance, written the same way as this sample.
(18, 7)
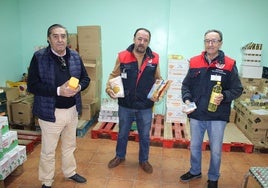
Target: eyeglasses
(213, 41)
(63, 65)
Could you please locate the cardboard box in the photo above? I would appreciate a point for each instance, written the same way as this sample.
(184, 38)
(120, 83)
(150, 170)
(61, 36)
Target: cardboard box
(251, 82)
(89, 42)
(72, 41)
(89, 34)
(4, 126)
(93, 70)
(22, 111)
(175, 114)
(177, 68)
(90, 51)
(254, 116)
(251, 63)
(258, 117)
(253, 134)
(251, 71)
(90, 94)
(9, 141)
(252, 55)
(21, 150)
(11, 94)
(89, 110)
(4, 168)
(13, 159)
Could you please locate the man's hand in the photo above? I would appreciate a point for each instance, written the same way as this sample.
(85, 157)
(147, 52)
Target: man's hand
(188, 108)
(218, 99)
(66, 91)
(154, 98)
(111, 93)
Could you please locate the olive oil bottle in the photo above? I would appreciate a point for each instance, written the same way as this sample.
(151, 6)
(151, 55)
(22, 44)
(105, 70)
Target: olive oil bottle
(216, 90)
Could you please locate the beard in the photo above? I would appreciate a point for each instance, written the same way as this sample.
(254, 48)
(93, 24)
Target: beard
(140, 49)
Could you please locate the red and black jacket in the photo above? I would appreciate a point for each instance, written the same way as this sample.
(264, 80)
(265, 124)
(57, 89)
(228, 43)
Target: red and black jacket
(137, 82)
(197, 85)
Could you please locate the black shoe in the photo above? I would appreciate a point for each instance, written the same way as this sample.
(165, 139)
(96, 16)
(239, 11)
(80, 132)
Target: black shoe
(115, 162)
(147, 167)
(44, 186)
(77, 178)
(188, 177)
(212, 184)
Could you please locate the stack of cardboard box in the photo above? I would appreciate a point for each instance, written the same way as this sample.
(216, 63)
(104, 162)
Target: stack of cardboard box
(109, 111)
(18, 108)
(252, 111)
(12, 155)
(177, 69)
(89, 48)
(21, 109)
(251, 61)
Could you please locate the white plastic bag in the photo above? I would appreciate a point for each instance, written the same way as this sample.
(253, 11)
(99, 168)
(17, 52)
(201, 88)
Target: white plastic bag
(117, 86)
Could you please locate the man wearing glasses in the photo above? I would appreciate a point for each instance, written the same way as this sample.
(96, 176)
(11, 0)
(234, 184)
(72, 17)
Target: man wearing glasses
(56, 104)
(205, 70)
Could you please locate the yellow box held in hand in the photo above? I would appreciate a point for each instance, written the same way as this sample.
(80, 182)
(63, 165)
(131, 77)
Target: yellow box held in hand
(73, 83)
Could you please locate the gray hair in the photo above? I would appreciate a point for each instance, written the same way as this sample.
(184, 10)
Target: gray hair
(216, 31)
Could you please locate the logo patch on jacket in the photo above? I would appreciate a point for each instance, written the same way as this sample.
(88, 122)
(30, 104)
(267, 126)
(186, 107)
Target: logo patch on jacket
(220, 65)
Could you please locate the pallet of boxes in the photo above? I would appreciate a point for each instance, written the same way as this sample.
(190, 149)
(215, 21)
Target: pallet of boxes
(175, 133)
(107, 126)
(19, 106)
(12, 155)
(252, 107)
(89, 47)
(20, 118)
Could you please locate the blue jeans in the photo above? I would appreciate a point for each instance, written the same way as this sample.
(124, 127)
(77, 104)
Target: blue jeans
(143, 119)
(215, 130)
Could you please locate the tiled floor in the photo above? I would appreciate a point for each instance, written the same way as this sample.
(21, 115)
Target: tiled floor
(169, 163)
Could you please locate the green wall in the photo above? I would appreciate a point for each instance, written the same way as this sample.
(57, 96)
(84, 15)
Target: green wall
(177, 27)
(11, 66)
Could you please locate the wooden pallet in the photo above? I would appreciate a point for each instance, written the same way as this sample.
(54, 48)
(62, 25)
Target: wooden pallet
(110, 130)
(84, 125)
(28, 138)
(165, 135)
(233, 140)
(176, 135)
(105, 130)
(30, 144)
(168, 135)
(260, 147)
(30, 127)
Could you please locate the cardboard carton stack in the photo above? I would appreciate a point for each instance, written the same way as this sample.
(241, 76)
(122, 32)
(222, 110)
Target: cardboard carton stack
(251, 61)
(253, 86)
(89, 48)
(252, 120)
(18, 107)
(22, 111)
(177, 69)
(109, 111)
(252, 111)
(12, 155)
(72, 41)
